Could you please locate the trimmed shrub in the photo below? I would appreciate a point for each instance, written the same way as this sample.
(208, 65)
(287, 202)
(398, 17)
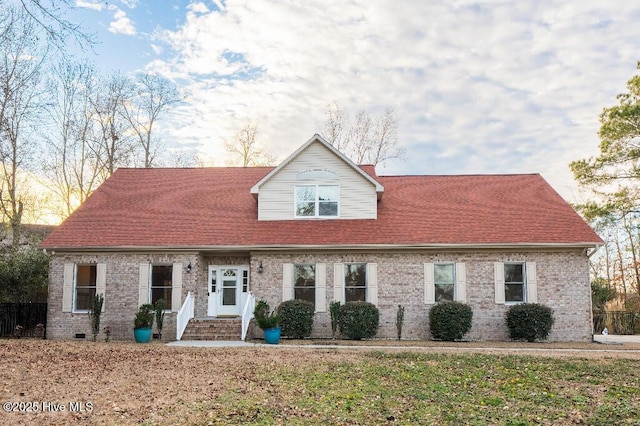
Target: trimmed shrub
(359, 320)
(529, 321)
(450, 321)
(334, 309)
(296, 318)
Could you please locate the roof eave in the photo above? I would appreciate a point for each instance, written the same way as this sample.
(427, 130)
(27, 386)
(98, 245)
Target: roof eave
(359, 247)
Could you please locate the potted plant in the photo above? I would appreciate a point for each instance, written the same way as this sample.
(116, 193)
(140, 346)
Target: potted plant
(143, 323)
(268, 321)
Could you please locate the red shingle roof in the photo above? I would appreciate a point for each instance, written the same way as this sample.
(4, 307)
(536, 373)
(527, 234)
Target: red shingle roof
(213, 207)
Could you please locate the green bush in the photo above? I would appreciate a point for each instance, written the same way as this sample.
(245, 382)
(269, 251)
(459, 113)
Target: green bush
(296, 318)
(529, 321)
(450, 321)
(144, 316)
(264, 317)
(359, 320)
(24, 276)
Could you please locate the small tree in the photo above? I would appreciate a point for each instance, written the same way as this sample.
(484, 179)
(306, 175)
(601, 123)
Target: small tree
(399, 321)
(334, 309)
(144, 316)
(601, 293)
(94, 314)
(158, 307)
(264, 317)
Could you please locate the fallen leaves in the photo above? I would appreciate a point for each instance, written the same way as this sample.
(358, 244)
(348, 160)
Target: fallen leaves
(156, 384)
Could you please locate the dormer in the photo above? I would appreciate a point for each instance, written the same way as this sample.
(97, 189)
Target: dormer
(317, 182)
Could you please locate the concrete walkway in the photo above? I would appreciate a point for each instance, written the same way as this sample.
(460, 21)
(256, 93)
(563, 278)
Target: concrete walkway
(610, 339)
(617, 338)
(214, 344)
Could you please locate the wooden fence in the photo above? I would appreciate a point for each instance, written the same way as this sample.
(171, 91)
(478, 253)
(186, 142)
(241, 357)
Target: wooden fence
(616, 322)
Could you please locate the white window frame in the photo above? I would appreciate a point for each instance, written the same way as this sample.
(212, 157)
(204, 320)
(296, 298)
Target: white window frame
(524, 283)
(75, 286)
(315, 281)
(366, 280)
(167, 303)
(453, 276)
(459, 283)
(316, 201)
(288, 291)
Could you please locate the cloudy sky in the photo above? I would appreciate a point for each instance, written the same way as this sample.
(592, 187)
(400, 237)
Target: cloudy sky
(492, 86)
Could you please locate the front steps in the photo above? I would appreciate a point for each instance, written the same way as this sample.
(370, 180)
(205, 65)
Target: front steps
(213, 329)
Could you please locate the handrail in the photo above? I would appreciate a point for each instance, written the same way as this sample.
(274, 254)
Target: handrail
(247, 314)
(185, 313)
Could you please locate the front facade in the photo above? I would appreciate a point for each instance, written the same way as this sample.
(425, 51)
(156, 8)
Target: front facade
(323, 229)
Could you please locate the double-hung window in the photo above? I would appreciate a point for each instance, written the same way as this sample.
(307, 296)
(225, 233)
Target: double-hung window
(355, 282)
(85, 290)
(317, 200)
(162, 284)
(304, 282)
(514, 282)
(444, 281)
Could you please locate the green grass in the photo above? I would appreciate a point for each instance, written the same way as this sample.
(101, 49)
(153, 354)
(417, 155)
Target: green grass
(412, 388)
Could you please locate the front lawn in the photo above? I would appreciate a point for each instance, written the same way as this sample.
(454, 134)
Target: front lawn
(155, 384)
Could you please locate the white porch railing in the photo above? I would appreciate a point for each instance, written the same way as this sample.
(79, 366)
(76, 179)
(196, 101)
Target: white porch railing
(247, 314)
(184, 315)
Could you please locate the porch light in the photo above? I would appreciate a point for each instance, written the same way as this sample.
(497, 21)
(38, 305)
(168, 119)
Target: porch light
(189, 267)
(260, 268)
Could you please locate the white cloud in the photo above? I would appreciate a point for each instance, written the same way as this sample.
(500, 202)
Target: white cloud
(131, 4)
(90, 4)
(198, 7)
(497, 87)
(157, 49)
(121, 24)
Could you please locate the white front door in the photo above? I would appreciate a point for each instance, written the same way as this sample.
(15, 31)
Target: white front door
(227, 284)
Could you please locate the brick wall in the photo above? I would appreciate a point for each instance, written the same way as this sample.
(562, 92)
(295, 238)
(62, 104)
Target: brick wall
(121, 294)
(562, 277)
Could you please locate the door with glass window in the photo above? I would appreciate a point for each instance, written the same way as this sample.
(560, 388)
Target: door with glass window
(226, 287)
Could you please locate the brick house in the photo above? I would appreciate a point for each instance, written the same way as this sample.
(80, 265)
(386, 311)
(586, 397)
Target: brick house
(320, 228)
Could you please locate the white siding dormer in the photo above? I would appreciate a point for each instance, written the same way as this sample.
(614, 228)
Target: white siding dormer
(317, 166)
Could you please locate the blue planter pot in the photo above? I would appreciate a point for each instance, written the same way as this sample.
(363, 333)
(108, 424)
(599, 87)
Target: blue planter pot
(142, 335)
(272, 335)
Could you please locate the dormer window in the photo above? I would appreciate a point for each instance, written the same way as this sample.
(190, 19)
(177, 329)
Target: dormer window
(317, 200)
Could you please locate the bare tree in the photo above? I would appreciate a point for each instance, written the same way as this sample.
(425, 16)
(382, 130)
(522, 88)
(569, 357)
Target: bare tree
(153, 94)
(48, 16)
(113, 147)
(366, 139)
(98, 125)
(334, 128)
(70, 163)
(246, 150)
(21, 59)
